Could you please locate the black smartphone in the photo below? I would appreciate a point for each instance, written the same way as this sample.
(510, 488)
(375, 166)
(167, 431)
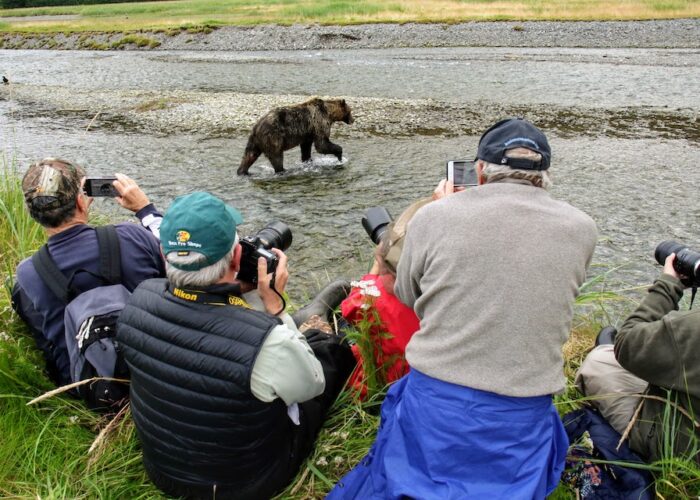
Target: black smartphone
(461, 173)
(100, 186)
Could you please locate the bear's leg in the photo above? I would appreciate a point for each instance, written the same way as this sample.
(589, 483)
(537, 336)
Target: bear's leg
(326, 147)
(276, 159)
(306, 150)
(251, 154)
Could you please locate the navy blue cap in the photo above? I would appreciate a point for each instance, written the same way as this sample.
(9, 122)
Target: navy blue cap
(514, 133)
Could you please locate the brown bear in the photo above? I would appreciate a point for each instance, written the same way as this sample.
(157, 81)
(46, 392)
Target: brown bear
(298, 125)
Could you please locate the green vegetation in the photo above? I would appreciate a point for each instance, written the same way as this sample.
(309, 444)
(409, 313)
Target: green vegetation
(15, 4)
(212, 13)
(46, 447)
(153, 105)
(139, 41)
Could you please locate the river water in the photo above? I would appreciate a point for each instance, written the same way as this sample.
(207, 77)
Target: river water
(639, 184)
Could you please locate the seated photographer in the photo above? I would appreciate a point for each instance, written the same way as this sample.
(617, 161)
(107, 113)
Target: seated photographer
(227, 400)
(372, 300)
(54, 192)
(653, 361)
(492, 272)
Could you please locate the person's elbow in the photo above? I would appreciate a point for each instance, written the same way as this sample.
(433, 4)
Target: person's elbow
(316, 384)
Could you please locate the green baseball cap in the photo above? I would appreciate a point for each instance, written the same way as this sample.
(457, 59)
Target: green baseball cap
(199, 222)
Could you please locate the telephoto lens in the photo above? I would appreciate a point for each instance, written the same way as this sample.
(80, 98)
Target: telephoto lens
(687, 263)
(376, 222)
(276, 234)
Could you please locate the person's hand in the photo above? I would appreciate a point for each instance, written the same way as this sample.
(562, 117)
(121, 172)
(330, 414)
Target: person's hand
(445, 188)
(130, 196)
(668, 266)
(273, 302)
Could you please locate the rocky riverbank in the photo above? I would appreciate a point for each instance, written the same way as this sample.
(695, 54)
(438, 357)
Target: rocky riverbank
(228, 113)
(677, 33)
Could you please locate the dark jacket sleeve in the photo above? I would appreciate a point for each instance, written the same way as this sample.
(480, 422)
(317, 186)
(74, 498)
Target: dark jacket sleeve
(57, 367)
(25, 309)
(657, 342)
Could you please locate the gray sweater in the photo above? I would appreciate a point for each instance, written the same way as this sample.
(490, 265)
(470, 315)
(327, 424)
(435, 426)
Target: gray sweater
(492, 272)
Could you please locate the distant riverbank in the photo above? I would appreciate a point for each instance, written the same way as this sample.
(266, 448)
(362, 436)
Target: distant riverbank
(677, 33)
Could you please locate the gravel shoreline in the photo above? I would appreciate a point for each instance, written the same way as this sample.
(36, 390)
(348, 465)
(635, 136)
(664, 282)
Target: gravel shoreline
(209, 113)
(676, 33)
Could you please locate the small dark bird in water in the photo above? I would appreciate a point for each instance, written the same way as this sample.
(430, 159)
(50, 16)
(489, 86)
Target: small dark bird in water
(5, 81)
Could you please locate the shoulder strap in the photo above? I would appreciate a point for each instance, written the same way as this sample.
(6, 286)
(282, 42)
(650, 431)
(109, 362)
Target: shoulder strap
(110, 254)
(51, 275)
(692, 297)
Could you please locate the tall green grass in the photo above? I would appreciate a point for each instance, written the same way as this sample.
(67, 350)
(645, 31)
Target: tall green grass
(44, 448)
(173, 14)
(20, 235)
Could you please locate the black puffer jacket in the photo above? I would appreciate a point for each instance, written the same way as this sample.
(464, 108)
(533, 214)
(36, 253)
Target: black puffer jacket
(204, 434)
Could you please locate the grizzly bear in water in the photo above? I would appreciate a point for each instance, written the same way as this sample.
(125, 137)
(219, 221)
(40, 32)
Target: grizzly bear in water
(299, 125)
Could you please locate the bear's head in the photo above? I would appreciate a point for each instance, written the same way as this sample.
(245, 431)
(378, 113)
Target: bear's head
(339, 111)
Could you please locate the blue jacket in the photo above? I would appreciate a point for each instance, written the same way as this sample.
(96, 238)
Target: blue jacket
(75, 251)
(445, 441)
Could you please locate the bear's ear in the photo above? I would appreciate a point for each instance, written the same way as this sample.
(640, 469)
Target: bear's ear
(342, 103)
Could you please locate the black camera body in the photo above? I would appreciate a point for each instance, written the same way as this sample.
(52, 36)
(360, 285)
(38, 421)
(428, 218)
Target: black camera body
(687, 262)
(376, 222)
(275, 235)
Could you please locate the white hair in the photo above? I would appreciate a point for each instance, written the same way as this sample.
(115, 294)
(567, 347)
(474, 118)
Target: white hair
(202, 277)
(493, 172)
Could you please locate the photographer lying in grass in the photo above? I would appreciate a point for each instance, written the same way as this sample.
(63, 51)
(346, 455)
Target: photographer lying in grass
(653, 361)
(55, 197)
(386, 324)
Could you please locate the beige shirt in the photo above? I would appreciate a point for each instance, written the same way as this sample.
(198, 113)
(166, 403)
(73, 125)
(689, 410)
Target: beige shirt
(286, 367)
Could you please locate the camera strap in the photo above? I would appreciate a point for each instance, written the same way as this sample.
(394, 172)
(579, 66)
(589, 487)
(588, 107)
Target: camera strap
(692, 297)
(218, 295)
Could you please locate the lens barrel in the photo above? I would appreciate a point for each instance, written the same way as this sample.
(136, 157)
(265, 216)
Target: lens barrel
(376, 222)
(276, 234)
(687, 261)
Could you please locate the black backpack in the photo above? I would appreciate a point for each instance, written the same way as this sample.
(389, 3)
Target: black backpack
(90, 322)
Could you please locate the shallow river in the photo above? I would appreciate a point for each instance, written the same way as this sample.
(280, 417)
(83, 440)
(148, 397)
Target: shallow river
(639, 188)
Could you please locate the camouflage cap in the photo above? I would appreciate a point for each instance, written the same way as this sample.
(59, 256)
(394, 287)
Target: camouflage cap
(51, 183)
(397, 233)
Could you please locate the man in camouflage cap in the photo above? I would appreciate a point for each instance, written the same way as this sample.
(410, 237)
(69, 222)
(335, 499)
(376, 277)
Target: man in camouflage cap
(54, 196)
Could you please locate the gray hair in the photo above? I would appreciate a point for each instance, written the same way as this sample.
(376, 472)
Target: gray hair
(202, 277)
(493, 172)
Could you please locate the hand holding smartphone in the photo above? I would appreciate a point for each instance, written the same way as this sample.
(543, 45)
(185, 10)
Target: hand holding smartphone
(461, 173)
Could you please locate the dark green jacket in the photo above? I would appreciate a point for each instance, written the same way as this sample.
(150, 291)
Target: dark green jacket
(661, 345)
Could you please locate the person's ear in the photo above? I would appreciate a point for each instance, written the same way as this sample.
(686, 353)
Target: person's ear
(236, 261)
(83, 202)
(479, 167)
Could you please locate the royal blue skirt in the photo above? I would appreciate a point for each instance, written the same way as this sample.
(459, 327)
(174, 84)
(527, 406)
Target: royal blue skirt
(445, 441)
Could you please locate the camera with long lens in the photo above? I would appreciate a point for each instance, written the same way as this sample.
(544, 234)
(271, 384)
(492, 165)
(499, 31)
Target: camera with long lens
(376, 222)
(275, 235)
(687, 263)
